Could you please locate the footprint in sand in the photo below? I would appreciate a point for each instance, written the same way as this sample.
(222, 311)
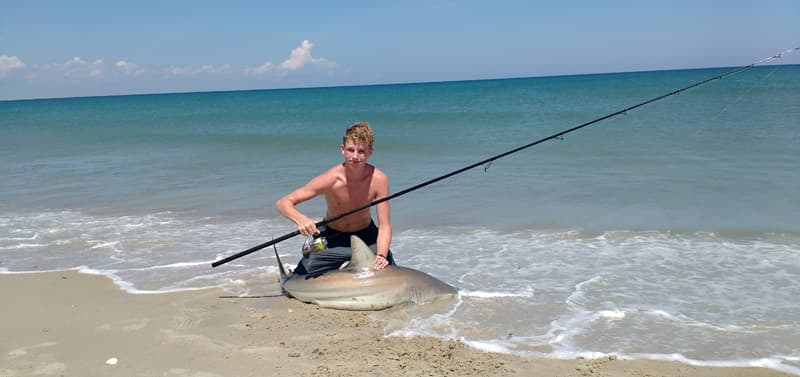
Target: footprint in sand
(195, 339)
(187, 318)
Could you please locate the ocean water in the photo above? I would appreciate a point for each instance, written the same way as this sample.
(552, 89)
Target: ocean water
(670, 232)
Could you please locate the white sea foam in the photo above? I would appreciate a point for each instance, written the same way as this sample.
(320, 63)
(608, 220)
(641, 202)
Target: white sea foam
(492, 294)
(771, 363)
(612, 314)
(110, 244)
(22, 246)
(131, 288)
(31, 238)
(179, 265)
(642, 283)
(488, 346)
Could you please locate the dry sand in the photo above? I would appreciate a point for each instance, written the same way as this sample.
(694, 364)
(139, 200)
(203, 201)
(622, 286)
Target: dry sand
(71, 324)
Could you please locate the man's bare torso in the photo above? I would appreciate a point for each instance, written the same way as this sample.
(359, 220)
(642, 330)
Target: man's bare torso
(347, 194)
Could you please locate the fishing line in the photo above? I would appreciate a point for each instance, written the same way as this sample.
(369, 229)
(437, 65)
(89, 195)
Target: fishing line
(487, 162)
(738, 98)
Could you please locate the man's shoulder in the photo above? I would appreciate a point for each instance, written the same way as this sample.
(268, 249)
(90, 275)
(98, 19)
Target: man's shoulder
(372, 170)
(337, 169)
(378, 172)
(378, 175)
(330, 176)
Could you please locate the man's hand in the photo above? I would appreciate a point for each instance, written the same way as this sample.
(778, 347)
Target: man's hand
(307, 227)
(380, 262)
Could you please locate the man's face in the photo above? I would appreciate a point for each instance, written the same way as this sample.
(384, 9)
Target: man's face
(355, 154)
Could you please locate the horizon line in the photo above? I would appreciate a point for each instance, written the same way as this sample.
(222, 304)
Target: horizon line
(378, 84)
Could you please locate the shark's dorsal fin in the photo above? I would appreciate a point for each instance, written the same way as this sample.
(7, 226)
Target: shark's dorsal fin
(362, 258)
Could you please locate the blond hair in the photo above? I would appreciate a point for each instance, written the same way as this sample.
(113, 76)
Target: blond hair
(360, 133)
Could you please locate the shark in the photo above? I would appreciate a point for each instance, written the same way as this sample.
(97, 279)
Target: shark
(358, 286)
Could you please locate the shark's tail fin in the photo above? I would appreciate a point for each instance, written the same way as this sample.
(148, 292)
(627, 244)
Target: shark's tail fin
(284, 275)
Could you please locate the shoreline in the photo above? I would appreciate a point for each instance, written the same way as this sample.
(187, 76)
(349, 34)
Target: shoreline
(67, 323)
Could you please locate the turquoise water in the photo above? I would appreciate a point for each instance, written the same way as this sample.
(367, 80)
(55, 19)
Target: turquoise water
(676, 218)
(721, 157)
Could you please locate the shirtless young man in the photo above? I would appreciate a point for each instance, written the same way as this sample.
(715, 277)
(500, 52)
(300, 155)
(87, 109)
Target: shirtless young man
(348, 185)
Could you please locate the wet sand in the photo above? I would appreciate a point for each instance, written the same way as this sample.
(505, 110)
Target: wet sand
(72, 324)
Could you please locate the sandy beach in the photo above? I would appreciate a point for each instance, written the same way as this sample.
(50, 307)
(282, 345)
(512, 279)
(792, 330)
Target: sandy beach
(72, 324)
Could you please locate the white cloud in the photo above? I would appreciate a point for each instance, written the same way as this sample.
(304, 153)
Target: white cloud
(203, 69)
(80, 73)
(75, 68)
(78, 67)
(222, 69)
(178, 71)
(299, 58)
(264, 68)
(9, 63)
(128, 68)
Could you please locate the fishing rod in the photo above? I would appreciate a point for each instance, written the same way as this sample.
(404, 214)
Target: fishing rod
(499, 156)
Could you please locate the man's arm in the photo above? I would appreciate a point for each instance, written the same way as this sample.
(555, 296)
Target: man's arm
(383, 211)
(287, 205)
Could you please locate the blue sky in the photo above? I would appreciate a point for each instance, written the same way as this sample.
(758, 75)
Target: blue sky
(83, 48)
